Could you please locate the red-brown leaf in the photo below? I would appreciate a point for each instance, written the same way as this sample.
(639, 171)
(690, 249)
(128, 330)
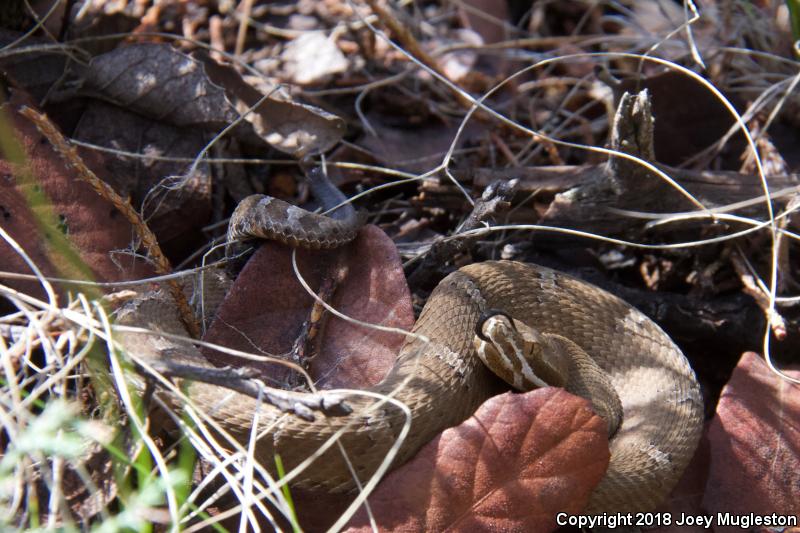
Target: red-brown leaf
(91, 224)
(267, 306)
(520, 460)
(755, 444)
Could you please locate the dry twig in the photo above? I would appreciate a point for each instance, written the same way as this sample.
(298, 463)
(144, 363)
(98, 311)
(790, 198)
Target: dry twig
(750, 287)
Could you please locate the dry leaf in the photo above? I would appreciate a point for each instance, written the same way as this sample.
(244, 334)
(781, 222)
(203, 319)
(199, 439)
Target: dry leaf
(158, 81)
(312, 57)
(174, 205)
(266, 307)
(291, 127)
(90, 223)
(394, 147)
(755, 444)
(35, 71)
(162, 83)
(520, 460)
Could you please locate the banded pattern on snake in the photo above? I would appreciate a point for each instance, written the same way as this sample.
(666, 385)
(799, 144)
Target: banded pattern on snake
(440, 378)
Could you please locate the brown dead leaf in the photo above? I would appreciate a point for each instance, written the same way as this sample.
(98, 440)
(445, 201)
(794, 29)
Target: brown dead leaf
(90, 223)
(266, 307)
(394, 147)
(755, 444)
(174, 205)
(375, 291)
(160, 82)
(520, 460)
(37, 71)
(290, 127)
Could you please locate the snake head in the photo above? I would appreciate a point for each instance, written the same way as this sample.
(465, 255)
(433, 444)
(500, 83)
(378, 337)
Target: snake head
(518, 353)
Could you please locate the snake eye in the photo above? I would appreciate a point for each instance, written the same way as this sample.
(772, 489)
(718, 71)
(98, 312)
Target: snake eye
(486, 315)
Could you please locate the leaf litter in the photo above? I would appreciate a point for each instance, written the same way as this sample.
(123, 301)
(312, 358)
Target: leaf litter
(167, 121)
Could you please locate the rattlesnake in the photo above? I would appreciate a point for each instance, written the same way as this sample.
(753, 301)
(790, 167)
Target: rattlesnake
(438, 376)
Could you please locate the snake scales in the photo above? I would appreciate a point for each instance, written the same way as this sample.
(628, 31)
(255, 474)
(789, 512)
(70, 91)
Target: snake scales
(442, 381)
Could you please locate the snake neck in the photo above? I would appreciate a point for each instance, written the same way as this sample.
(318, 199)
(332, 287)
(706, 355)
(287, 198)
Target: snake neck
(440, 356)
(586, 379)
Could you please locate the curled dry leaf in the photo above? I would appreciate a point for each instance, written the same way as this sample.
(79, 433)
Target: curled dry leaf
(291, 127)
(160, 82)
(520, 460)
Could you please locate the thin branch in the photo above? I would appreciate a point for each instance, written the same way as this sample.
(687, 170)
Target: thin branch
(243, 380)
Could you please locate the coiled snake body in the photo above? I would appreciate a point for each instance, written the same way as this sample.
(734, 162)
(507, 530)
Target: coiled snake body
(439, 377)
